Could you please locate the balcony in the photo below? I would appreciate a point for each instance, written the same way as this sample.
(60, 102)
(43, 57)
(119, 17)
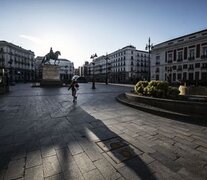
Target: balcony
(204, 67)
(191, 69)
(179, 69)
(169, 61)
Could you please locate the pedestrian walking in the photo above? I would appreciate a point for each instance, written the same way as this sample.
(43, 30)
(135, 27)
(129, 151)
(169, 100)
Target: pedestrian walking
(74, 86)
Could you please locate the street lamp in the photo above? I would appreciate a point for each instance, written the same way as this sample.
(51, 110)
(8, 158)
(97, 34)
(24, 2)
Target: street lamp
(149, 47)
(107, 59)
(93, 82)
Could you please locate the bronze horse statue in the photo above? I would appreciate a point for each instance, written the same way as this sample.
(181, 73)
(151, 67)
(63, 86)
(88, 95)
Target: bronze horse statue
(51, 55)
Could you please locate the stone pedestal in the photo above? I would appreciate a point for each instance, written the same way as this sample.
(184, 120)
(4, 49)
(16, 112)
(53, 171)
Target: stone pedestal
(50, 75)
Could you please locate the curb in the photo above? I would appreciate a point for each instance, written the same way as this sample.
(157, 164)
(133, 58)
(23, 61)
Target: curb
(161, 112)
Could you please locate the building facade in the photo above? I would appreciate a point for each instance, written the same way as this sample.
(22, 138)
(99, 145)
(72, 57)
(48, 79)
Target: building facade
(183, 59)
(126, 65)
(17, 62)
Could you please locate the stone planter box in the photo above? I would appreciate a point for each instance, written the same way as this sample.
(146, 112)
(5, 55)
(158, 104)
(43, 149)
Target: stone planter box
(190, 106)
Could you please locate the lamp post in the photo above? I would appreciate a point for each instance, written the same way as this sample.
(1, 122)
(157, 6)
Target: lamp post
(10, 71)
(149, 47)
(107, 59)
(93, 81)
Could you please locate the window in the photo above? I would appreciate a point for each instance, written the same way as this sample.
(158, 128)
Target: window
(184, 76)
(191, 53)
(180, 55)
(205, 51)
(179, 76)
(203, 76)
(197, 65)
(169, 57)
(132, 58)
(191, 66)
(190, 76)
(196, 75)
(185, 66)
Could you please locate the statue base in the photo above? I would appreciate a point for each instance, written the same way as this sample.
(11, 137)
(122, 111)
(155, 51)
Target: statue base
(51, 76)
(50, 83)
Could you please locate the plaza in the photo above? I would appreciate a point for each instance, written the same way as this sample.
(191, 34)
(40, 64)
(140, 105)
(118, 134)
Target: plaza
(44, 135)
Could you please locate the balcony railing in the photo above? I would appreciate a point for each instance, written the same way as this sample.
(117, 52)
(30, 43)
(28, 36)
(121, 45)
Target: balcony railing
(157, 63)
(179, 69)
(169, 61)
(204, 67)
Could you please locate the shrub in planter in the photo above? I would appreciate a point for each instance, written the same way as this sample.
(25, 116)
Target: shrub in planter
(173, 91)
(139, 88)
(157, 88)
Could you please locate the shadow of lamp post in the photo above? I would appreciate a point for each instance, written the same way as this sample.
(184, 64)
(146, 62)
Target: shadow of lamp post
(149, 47)
(107, 59)
(93, 81)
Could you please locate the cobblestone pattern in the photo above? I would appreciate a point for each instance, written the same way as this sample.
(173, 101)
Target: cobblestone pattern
(43, 135)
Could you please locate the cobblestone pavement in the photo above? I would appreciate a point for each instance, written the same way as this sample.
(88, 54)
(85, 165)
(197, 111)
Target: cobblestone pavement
(43, 135)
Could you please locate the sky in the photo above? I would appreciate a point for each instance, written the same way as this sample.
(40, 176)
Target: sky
(80, 28)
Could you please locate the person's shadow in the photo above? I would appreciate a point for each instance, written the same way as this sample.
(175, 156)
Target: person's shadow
(118, 151)
(68, 133)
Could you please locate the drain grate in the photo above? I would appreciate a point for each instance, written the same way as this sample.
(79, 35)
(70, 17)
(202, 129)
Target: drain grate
(118, 149)
(112, 144)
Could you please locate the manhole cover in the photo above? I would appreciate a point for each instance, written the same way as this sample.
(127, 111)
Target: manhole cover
(112, 144)
(122, 154)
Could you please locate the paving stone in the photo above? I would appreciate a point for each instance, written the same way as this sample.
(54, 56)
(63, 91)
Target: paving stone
(106, 169)
(15, 169)
(71, 170)
(90, 148)
(201, 143)
(51, 166)
(123, 153)
(112, 144)
(73, 144)
(168, 153)
(33, 159)
(34, 173)
(146, 158)
(202, 149)
(93, 175)
(55, 177)
(162, 172)
(194, 166)
(58, 142)
(172, 165)
(84, 163)
(2, 173)
(138, 144)
(135, 169)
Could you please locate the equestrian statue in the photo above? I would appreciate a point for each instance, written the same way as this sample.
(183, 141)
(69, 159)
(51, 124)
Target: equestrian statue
(51, 55)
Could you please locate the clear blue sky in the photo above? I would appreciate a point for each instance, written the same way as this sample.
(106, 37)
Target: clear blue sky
(79, 28)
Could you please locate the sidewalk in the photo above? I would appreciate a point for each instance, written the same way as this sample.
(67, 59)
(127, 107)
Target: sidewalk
(44, 136)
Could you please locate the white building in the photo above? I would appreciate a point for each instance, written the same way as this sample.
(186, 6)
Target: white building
(126, 65)
(17, 62)
(181, 59)
(66, 69)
